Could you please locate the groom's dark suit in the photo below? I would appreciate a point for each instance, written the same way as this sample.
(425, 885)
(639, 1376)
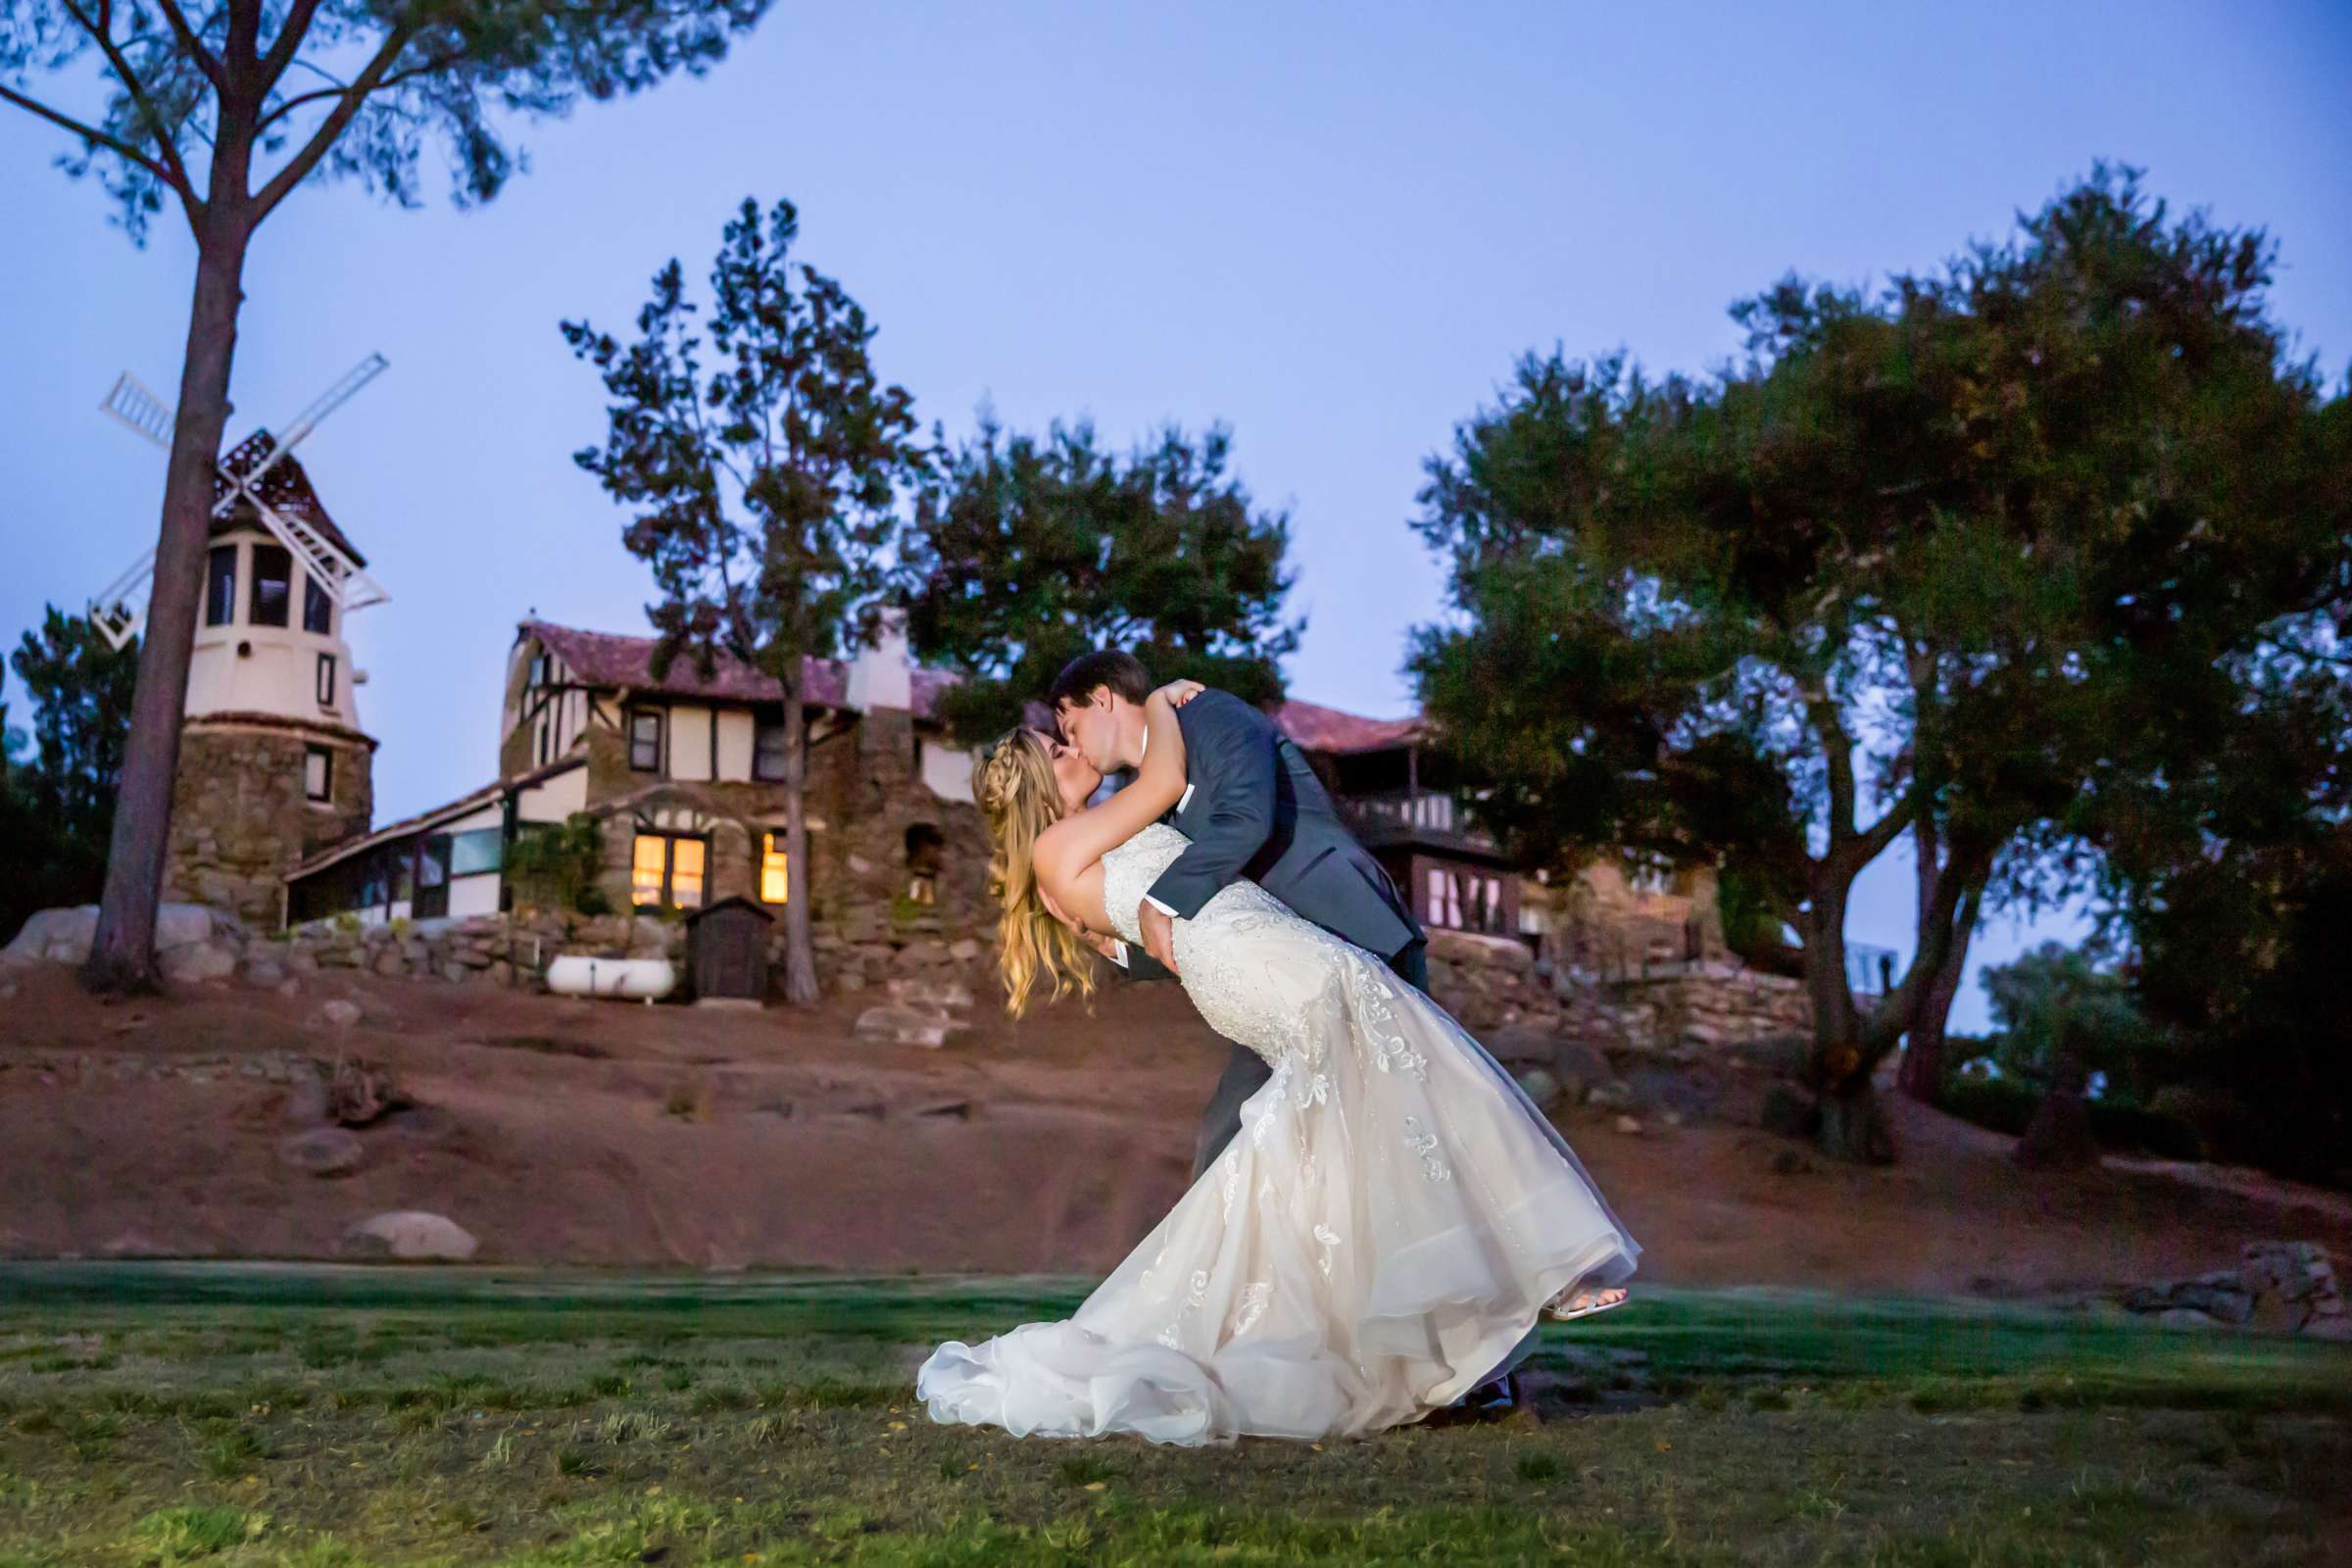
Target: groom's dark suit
(1253, 808)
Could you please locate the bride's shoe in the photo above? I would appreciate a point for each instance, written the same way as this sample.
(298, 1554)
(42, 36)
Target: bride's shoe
(1584, 1303)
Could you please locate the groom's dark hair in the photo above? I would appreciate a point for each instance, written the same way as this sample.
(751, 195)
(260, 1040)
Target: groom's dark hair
(1122, 672)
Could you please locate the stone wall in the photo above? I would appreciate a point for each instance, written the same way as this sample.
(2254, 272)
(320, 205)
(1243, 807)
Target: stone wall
(1492, 984)
(1700, 1008)
(240, 820)
(508, 950)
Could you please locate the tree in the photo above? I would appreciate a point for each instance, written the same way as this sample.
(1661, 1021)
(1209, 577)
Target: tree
(2230, 879)
(2064, 1015)
(223, 111)
(1957, 535)
(1027, 552)
(765, 490)
(59, 807)
(554, 866)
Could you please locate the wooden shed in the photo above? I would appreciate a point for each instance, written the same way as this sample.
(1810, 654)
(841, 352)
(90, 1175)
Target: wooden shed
(726, 951)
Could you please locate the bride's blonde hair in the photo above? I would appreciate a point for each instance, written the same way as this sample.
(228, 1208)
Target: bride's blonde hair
(1012, 779)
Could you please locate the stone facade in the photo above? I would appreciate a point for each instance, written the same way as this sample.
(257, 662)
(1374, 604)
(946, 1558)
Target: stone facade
(240, 820)
(1492, 984)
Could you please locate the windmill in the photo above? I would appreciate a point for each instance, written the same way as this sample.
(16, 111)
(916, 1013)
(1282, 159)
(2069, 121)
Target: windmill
(120, 611)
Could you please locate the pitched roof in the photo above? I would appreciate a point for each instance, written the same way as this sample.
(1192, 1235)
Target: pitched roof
(285, 488)
(471, 800)
(1317, 728)
(612, 659)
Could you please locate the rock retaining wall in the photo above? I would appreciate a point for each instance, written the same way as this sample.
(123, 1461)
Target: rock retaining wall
(1672, 1009)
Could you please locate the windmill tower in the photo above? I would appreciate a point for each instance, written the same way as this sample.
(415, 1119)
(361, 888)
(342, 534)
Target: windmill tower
(273, 766)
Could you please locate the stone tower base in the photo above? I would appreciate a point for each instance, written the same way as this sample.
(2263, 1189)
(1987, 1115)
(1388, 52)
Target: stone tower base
(240, 820)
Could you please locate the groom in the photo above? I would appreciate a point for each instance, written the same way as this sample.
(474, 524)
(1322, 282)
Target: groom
(1252, 807)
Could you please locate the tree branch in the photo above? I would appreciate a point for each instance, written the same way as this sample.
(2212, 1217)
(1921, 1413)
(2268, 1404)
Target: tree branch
(290, 34)
(100, 138)
(298, 169)
(1865, 846)
(1837, 748)
(423, 67)
(102, 30)
(206, 60)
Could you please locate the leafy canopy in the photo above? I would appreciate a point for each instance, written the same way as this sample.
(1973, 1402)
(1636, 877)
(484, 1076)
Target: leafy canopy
(350, 89)
(761, 456)
(1030, 550)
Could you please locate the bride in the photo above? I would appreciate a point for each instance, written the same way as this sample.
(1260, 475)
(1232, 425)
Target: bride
(1384, 1233)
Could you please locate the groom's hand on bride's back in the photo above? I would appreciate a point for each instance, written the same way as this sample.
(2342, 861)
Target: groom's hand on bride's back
(1160, 934)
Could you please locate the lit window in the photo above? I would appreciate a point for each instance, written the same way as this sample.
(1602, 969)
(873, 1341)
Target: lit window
(326, 680)
(666, 871)
(775, 885)
(649, 863)
(318, 772)
(686, 873)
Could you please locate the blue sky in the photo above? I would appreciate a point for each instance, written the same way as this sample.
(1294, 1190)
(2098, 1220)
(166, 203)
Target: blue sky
(1331, 227)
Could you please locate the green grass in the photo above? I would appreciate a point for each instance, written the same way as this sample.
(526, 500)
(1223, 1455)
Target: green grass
(256, 1417)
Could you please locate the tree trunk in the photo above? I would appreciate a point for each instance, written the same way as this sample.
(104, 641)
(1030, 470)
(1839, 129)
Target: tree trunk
(799, 953)
(1851, 1124)
(1922, 1073)
(2059, 1136)
(123, 951)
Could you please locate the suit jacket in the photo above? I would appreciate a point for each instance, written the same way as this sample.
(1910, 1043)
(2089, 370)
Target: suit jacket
(1253, 808)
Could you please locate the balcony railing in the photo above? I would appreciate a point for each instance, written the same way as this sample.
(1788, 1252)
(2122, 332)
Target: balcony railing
(1415, 816)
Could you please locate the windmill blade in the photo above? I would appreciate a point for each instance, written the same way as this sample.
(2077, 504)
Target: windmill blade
(120, 612)
(132, 405)
(327, 402)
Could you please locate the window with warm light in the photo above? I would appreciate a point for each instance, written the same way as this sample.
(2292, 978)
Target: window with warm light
(648, 864)
(775, 882)
(686, 873)
(666, 870)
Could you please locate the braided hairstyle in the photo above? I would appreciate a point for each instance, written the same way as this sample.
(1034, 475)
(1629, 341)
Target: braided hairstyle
(1012, 780)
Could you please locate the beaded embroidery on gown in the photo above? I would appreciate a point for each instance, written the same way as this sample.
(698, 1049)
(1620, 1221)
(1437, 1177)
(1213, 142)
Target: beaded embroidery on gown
(1378, 1239)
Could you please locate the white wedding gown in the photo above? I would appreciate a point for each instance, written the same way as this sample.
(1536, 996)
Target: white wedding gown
(1380, 1236)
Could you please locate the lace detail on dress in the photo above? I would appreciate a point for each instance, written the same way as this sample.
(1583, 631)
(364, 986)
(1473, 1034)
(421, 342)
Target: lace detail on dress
(1424, 1143)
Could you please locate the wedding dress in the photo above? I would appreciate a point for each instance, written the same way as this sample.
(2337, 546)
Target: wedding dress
(1380, 1238)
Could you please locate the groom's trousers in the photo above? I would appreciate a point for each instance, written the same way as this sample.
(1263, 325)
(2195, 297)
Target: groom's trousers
(1246, 1071)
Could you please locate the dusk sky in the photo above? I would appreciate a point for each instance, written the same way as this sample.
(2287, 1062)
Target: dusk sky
(1333, 229)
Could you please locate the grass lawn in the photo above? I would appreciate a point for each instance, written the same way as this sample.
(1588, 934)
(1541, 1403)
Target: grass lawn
(154, 1414)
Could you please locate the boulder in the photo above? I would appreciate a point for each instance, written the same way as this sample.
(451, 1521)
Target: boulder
(904, 1026)
(2186, 1317)
(360, 1092)
(338, 1012)
(410, 1234)
(1516, 1045)
(1613, 1094)
(322, 1151)
(193, 962)
(262, 973)
(1580, 1068)
(927, 993)
(1541, 1087)
(1628, 1125)
(55, 936)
